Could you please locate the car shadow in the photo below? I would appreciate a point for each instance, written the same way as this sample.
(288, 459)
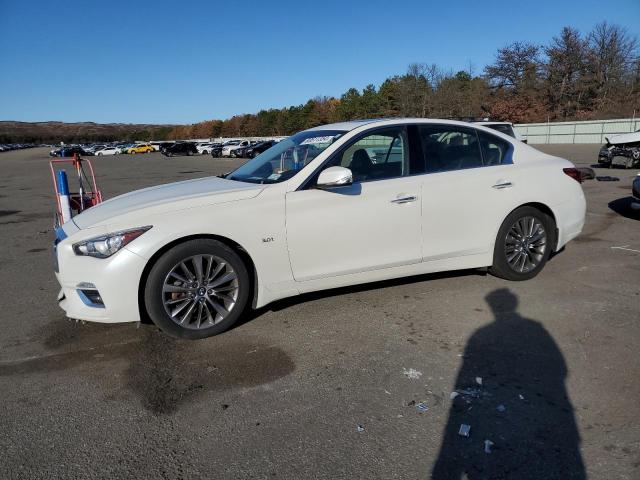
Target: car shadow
(510, 391)
(278, 305)
(622, 206)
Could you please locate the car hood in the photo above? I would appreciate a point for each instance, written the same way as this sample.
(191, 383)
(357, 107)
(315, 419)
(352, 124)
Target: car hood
(624, 138)
(166, 198)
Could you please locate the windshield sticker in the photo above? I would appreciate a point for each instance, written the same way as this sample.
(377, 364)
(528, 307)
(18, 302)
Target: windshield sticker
(308, 141)
(274, 176)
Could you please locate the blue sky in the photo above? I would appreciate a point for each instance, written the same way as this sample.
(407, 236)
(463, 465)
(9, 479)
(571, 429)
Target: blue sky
(187, 61)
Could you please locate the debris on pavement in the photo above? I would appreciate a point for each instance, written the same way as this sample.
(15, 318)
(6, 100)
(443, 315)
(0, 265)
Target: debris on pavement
(479, 380)
(422, 407)
(360, 428)
(520, 396)
(453, 395)
(501, 408)
(464, 430)
(412, 373)
(487, 446)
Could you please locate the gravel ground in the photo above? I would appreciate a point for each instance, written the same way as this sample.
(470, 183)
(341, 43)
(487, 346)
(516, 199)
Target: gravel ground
(328, 385)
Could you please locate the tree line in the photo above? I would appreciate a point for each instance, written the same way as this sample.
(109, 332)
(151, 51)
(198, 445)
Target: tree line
(576, 76)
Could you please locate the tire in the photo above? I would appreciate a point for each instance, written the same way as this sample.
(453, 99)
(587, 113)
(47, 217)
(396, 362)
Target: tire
(197, 322)
(99, 154)
(515, 259)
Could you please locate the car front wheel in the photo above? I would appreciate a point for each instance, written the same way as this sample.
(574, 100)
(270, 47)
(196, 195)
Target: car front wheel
(523, 244)
(197, 289)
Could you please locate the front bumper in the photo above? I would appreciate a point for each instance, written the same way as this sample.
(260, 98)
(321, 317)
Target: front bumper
(116, 278)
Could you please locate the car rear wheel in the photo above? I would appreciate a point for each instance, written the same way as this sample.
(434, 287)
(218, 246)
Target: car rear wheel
(523, 244)
(197, 289)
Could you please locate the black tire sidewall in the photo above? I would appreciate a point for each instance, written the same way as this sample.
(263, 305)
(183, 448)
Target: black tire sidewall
(159, 271)
(500, 267)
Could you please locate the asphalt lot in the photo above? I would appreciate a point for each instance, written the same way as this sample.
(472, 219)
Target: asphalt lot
(327, 385)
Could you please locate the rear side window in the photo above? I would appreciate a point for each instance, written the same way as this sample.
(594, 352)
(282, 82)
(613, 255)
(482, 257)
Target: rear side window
(447, 148)
(503, 128)
(495, 151)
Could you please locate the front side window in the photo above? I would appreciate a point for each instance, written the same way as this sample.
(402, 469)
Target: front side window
(383, 154)
(447, 148)
(286, 158)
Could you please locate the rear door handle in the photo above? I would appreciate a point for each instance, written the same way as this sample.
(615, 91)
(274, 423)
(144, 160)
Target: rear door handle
(502, 184)
(407, 199)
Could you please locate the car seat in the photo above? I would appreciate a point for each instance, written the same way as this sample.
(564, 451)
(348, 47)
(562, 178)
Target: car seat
(361, 164)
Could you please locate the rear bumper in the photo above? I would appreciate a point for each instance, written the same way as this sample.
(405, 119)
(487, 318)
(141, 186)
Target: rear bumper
(570, 218)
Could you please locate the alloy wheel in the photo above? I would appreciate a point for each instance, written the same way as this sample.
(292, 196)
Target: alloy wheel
(200, 291)
(525, 244)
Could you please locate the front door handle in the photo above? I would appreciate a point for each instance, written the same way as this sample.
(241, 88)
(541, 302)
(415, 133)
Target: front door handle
(502, 184)
(407, 199)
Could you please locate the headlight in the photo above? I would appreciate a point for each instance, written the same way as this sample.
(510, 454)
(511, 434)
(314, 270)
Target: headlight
(106, 245)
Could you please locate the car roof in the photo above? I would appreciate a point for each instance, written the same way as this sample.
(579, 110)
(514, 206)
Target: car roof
(352, 124)
(481, 122)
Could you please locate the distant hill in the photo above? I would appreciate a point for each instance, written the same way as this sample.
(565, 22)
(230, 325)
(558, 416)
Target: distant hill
(55, 132)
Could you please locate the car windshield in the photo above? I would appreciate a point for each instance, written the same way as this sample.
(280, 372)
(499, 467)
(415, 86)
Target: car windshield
(285, 158)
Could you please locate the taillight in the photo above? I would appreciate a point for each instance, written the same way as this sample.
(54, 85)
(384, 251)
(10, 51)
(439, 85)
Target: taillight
(573, 173)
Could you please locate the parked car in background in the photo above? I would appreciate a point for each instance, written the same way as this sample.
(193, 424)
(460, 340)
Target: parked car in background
(622, 150)
(67, 151)
(205, 148)
(108, 151)
(635, 191)
(503, 127)
(240, 152)
(256, 149)
(92, 149)
(179, 148)
(157, 145)
(140, 148)
(216, 151)
(316, 212)
(231, 145)
(124, 146)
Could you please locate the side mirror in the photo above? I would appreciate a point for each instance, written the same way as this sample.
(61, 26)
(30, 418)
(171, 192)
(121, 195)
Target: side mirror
(334, 177)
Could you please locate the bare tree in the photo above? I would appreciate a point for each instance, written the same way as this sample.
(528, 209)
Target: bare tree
(565, 71)
(516, 67)
(612, 54)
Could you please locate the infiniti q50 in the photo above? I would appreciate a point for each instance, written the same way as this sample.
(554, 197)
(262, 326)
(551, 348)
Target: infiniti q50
(331, 206)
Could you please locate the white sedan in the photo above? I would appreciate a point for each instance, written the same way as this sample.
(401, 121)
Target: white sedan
(108, 151)
(332, 206)
(205, 148)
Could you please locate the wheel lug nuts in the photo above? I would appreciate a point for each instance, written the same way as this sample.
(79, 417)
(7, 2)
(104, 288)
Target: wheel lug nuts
(210, 291)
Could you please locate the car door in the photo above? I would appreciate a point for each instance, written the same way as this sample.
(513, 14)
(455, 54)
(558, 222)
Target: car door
(467, 191)
(372, 224)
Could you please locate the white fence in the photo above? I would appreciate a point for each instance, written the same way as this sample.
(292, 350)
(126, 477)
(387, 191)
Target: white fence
(593, 131)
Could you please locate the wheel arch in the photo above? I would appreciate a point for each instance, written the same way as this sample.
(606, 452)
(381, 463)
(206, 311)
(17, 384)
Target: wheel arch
(235, 246)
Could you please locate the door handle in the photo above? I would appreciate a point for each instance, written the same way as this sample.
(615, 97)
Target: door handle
(502, 184)
(407, 199)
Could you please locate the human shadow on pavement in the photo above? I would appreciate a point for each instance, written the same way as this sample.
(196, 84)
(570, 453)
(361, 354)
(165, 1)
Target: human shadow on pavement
(511, 392)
